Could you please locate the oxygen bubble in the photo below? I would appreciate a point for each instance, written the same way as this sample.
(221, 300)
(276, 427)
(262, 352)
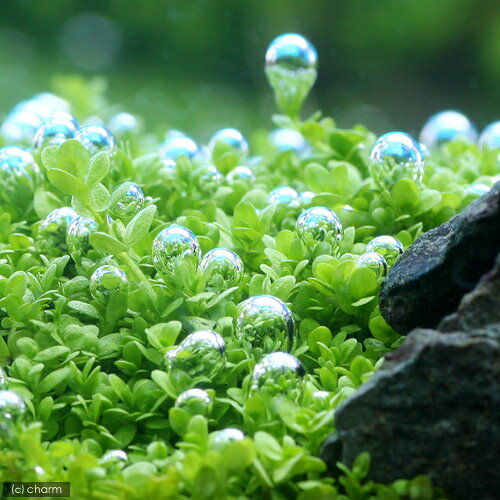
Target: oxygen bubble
(390, 248)
(3, 379)
(209, 179)
(195, 401)
(179, 145)
(447, 126)
(232, 138)
(54, 131)
(278, 373)
(306, 197)
(18, 172)
(375, 262)
(20, 127)
(425, 150)
(265, 322)
(321, 400)
(396, 156)
(96, 138)
(291, 62)
(477, 190)
(130, 203)
(78, 237)
(283, 195)
(55, 102)
(222, 269)
(115, 456)
(107, 281)
(223, 437)
(63, 115)
(319, 224)
(288, 139)
(490, 136)
(240, 174)
(172, 245)
(53, 229)
(12, 407)
(200, 353)
(124, 124)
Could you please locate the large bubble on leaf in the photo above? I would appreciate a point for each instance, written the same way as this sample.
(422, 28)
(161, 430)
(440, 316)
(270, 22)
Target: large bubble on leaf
(291, 62)
(265, 322)
(52, 232)
(107, 281)
(55, 131)
(375, 262)
(129, 203)
(283, 196)
(201, 353)
(173, 245)
(209, 179)
(20, 127)
(178, 145)
(78, 237)
(222, 269)
(124, 125)
(12, 407)
(446, 126)
(396, 156)
(288, 139)
(278, 372)
(195, 401)
(390, 248)
(490, 137)
(96, 138)
(240, 173)
(232, 138)
(319, 224)
(115, 456)
(223, 437)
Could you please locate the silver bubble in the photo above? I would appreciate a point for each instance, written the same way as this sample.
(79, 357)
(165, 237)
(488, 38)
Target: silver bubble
(321, 400)
(200, 353)
(77, 237)
(172, 245)
(375, 262)
(240, 174)
(107, 281)
(96, 138)
(477, 190)
(319, 224)
(195, 401)
(20, 127)
(12, 407)
(115, 456)
(209, 179)
(129, 204)
(395, 156)
(278, 372)
(288, 139)
(232, 138)
(222, 269)
(54, 131)
(291, 62)
(446, 126)
(123, 124)
(283, 195)
(223, 437)
(54, 227)
(177, 146)
(306, 197)
(265, 322)
(490, 136)
(390, 248)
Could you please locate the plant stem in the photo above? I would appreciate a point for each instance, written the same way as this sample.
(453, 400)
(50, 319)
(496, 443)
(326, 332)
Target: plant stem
(137, 272)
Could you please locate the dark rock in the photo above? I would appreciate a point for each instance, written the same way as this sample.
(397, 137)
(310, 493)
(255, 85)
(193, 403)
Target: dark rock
(478, 308)
(433, 409)
(429, 280)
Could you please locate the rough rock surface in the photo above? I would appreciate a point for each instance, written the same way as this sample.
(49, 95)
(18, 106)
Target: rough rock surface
(434, 409)
(432, 276)
(478, 308)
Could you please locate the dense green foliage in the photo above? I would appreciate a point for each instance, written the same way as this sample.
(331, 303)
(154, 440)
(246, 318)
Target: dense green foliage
(93, 376)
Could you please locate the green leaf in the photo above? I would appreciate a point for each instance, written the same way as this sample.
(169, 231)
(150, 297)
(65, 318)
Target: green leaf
(99, 197)
(268, 446)
(84, 308)
(405, 193)
(67, 183)
(55, 378)
(106, 244)
(49, 156)
(73, 158)
(138, 228)
(98, 168)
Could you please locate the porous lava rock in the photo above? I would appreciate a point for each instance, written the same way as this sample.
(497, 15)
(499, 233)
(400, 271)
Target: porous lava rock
(429, 280)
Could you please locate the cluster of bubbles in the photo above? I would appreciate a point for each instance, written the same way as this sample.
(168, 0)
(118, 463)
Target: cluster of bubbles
(380, 255)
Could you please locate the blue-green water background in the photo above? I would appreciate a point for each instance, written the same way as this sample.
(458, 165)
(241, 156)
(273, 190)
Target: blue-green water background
(198, 64)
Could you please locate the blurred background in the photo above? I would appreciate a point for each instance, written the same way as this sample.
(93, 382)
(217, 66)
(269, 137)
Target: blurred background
(197, 65)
